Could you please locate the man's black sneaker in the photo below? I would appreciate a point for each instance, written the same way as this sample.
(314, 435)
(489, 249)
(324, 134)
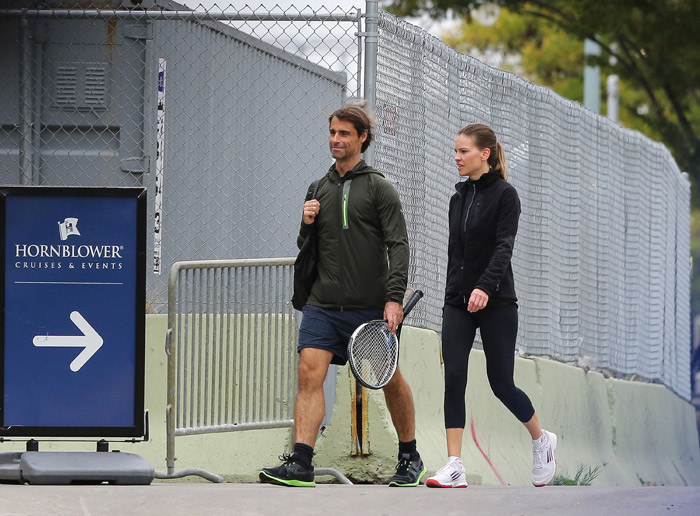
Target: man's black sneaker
(290, 473)
(409, 471)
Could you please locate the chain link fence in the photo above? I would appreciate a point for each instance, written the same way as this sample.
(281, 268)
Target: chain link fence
(601, 260)
(221, 115)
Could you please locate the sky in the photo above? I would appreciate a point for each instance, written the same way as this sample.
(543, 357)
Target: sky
(310, 41)
(432, 26)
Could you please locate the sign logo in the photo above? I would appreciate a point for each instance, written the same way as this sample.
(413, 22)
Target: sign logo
(68, 227)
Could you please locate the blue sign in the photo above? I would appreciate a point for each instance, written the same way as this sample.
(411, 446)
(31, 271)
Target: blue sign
(74, 311)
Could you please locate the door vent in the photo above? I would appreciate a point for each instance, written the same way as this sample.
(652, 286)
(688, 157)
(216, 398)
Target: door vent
(81, 86)
(66, 82)
(95, 86)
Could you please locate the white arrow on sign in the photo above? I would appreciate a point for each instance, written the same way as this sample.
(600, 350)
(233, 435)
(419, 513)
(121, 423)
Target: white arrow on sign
(90, 340)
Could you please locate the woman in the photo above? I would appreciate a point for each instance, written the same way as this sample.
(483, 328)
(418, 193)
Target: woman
(480, 293)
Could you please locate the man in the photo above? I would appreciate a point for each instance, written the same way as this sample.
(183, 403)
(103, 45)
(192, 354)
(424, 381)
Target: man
(359, 225)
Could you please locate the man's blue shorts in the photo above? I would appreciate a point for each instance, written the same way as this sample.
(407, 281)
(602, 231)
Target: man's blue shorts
(328, 329)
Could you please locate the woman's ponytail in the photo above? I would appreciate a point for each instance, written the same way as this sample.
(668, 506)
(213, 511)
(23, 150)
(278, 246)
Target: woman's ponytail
(497, 160)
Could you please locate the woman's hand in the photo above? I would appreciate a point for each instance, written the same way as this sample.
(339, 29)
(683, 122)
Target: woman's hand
(477, 300)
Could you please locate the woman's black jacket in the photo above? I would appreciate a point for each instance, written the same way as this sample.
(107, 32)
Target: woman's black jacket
(483, 219)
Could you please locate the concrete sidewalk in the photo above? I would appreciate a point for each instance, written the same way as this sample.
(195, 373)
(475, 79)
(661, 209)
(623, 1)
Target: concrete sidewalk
(191, 499)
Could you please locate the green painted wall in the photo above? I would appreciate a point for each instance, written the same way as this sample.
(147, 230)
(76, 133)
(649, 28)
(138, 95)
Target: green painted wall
(636, 432)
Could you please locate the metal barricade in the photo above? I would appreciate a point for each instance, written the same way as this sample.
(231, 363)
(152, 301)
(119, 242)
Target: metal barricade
(231, 346)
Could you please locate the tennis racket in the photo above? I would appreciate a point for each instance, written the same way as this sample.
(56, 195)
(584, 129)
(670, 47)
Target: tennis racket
(373, 351)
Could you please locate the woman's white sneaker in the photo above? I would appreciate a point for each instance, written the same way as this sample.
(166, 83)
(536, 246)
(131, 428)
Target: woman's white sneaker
(450, 475)
(544, 466)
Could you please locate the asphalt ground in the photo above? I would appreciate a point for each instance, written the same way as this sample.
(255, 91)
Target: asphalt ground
(182, 498)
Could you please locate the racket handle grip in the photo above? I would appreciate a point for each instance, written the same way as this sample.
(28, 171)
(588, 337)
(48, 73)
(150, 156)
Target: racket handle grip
(412, 302)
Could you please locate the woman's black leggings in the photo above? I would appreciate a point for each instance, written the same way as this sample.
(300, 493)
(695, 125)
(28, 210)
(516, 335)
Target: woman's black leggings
(499, 328)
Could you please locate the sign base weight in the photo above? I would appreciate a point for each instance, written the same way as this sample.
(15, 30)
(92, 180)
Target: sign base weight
(63, 468)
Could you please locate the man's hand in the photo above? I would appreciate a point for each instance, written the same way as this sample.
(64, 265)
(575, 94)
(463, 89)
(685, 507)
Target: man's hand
(477, 300)
(311, 209)
(393, 313)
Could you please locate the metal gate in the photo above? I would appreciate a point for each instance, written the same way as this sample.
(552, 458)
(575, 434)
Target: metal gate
(231, 346)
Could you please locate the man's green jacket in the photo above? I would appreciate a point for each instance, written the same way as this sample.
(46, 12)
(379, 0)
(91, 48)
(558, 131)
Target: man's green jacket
(359, 226)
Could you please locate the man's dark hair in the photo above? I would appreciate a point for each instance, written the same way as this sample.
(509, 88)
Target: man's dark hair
(356, 114)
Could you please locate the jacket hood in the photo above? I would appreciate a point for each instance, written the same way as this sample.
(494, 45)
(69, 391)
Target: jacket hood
(357, 170)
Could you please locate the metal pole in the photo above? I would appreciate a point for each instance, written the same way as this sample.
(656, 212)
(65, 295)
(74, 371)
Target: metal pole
(371, 50)
(358, 90)
(170, 386)
(370, 88)
(25, 104)
(613, 87)
(38, 38)
(591, 77)
(182, 15)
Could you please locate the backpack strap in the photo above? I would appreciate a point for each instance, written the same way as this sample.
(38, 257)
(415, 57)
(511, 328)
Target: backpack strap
(315, 186)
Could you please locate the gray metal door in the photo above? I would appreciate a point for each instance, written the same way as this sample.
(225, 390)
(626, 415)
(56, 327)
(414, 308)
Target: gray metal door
(81, 114)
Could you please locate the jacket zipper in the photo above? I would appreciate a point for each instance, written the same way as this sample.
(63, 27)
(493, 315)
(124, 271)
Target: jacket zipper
(344, 198)
(344, 203)
(464, 243)
(466, 217)
(340, 244)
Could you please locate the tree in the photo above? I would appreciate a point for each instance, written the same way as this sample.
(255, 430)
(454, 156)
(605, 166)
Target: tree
(528, 47)
(534, 50)
(655, 43)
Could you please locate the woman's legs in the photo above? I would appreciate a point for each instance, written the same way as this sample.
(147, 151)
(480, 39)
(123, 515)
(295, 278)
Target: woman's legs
(499, 329)
(533, 426)
(458, 331)
(454, 441)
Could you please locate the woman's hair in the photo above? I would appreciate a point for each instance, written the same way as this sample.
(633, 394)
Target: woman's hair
(356, 114)
(485, 138)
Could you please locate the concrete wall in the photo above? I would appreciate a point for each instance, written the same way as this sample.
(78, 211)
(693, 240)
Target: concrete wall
(638, 433)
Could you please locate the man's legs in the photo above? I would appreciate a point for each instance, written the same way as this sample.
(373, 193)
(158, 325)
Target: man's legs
(399, 401)
(309, 408)
(310, 404)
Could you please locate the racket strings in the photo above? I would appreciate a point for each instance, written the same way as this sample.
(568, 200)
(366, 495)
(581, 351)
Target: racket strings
(374, 354)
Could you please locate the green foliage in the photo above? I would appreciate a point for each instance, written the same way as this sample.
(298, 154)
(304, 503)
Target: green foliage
(531, 49)
(545, 55)
(654, 41)
(584, 476)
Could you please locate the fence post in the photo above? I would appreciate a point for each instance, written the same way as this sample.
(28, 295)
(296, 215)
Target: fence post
(370, 79)
(25, 103)
(171, 370)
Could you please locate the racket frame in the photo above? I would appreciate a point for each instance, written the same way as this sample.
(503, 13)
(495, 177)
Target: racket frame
(413, 300)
